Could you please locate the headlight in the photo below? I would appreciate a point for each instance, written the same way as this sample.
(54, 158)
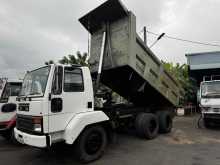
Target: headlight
(38, 124)
(37, 128)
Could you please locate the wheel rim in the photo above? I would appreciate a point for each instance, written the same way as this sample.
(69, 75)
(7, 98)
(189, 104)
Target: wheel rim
(93, 143)
(153, 126)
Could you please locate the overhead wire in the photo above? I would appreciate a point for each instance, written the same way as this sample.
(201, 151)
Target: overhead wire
(184, 40)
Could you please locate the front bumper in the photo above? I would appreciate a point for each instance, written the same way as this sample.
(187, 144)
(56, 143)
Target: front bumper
(212, 118)
(33, 140)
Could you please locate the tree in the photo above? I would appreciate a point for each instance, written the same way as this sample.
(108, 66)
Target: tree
(81, 59)
(181, 74)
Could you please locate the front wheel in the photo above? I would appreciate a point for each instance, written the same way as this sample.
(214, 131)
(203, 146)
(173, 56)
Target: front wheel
(207, 124)
(10, 136)
(91, 144)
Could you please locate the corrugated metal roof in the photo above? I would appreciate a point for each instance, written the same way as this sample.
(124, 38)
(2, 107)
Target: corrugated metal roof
(203, 53)
(204, 60)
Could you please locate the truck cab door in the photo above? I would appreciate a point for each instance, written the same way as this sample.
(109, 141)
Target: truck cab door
(56, 91)
(67, 97)
(56, 99)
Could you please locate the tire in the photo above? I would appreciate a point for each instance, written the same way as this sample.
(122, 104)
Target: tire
(165, 122)
(10, 136)
(91, 144)
(6, 135)
(147, 126)
(207, 124)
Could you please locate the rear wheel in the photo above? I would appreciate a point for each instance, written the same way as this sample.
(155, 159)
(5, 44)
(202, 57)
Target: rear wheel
(91, 144)
(147, 125)
(165, 121)
(207, 123)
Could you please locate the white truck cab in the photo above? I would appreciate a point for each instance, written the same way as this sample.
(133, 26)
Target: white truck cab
(9, 90)
(56, 104)
(210, 102)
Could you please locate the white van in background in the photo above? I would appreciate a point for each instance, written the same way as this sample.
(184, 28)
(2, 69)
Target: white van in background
(9, 90)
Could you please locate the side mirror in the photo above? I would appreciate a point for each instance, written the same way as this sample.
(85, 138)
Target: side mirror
(56, 105)
(7, 108)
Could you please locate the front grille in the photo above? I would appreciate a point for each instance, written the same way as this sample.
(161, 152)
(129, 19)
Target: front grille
(24, 123)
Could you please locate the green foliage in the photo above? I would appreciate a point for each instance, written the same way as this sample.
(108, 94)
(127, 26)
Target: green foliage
(79, 58)
(180, 73)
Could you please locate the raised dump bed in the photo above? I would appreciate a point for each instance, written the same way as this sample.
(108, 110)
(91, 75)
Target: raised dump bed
(130, 68)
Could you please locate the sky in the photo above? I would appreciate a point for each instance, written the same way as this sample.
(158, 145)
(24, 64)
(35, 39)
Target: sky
(35, 31)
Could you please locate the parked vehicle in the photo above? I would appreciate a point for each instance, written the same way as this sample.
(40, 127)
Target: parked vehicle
(9, 90)
(210, 101)
(65, 102)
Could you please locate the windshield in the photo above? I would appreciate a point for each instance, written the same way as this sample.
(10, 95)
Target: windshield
(35, 82)
(11, 89)
(211, 89)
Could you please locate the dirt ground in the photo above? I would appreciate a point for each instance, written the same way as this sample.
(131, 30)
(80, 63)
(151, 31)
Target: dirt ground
(186, 145)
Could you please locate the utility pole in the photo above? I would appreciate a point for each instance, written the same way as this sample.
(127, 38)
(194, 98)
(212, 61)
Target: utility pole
(145, 35)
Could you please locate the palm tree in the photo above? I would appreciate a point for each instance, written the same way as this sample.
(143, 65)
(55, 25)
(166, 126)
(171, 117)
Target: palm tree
(81, 59)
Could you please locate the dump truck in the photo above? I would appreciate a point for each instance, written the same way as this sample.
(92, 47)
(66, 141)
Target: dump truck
(210, 100)
(73, 104)
(9, 90)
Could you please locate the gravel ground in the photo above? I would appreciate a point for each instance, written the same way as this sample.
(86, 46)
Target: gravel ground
(186, 145)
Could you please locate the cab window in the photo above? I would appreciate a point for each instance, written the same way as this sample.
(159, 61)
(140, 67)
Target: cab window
(73, 80)
(57, 81)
